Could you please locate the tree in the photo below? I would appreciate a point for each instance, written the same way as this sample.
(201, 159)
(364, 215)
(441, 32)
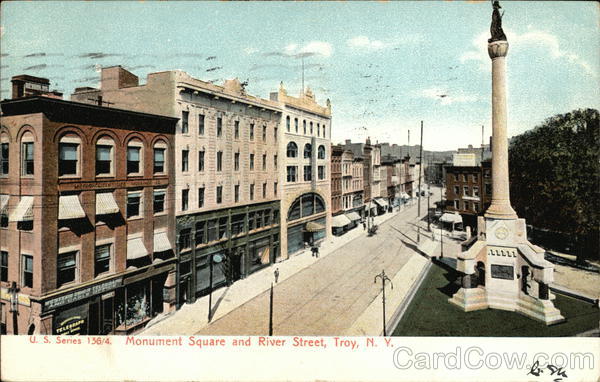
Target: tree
(555, 177)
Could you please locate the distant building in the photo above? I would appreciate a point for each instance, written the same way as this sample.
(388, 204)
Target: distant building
(28, 86)
(371, 155)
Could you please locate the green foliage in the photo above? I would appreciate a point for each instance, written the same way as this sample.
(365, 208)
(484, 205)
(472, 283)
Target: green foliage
(555, 177)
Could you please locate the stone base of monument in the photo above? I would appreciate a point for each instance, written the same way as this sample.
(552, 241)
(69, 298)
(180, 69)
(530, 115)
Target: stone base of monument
(502, 270)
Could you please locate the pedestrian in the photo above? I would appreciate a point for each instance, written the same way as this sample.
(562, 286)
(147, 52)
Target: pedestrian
(364, 226)
(317, 252)
(276, 274)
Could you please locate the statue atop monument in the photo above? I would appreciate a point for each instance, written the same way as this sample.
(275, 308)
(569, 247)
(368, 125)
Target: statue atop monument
(496, 27)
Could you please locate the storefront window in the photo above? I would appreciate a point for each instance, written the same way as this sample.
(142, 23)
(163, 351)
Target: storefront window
(212, 230)
(138, 303)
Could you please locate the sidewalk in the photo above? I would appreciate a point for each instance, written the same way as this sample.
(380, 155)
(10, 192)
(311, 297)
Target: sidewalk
(192, 317)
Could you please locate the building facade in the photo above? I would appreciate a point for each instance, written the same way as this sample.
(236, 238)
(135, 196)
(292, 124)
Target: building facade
(305, 150)
(88, 218)
(227, 167)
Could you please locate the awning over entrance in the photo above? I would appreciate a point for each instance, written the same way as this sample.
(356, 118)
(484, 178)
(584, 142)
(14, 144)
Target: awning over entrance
(69, 207)
(340, 221)
(136, 249)
(451, 218)
(313, 227)
(353, 216)
(3, 204)
(161, 242)
(381, 202)
(404, 195)
(106, 204)
(24, 210)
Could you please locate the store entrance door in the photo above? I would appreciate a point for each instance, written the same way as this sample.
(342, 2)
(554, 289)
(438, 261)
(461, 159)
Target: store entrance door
(100, 317)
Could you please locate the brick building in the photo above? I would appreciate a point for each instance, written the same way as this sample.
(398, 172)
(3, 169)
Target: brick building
(87, 217)
(336, 180)
(227, 169)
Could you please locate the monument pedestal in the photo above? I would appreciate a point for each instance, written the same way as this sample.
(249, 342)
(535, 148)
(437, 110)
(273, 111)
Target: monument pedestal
(502, 270)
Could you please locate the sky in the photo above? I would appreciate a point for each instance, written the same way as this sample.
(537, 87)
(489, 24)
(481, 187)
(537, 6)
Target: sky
(385, 66)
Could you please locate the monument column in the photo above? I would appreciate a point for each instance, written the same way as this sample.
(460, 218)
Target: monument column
(500, 207)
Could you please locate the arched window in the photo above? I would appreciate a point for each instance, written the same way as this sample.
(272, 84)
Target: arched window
(135, 154)
(324, 135)
(292, 150)
(4, 144)
(287, 123)
(321, 152)
(69, 153)
(160, 158)
(306, 205)
(27, 151)
(311, 128)
(307, 150)
(105, 151)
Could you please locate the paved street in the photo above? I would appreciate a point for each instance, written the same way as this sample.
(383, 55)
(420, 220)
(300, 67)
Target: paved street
(328, 296)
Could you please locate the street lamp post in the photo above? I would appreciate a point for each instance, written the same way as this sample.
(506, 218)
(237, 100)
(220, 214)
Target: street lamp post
(271, 311)
(441, 222)
(384, 278)
(14, 306)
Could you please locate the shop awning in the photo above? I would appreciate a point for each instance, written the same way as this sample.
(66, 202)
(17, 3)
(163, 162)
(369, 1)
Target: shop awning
(381, 202)
(340, 221)
(353, 216)
(161, 242)
(451, 218)
(136, 249)
(24, 210)
(404, 195)
(69, 207)
(313, 227)
(3, 204)
(106, 204)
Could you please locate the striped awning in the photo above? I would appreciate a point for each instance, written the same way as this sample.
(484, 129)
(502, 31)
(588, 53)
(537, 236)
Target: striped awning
(313, 227)
(161, 242)
(136, 249)
(69, 207)
(353, 216)
(106, 204)
(340, 221)
(24, 210)
(3, 204)
(381, 202)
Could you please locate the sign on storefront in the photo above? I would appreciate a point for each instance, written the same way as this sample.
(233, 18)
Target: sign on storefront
(81, 294)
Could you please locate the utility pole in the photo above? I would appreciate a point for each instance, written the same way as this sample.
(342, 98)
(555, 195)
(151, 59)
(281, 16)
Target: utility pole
(384, 278)
(210, 287)
(441, 222)
(271, 312)
(420, 189)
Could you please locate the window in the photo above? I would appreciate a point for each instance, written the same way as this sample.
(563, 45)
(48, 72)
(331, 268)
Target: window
(185, 115)
(133, 204)
(237, 224)
(464, 177)
(291, 173)
(133, 158)
(201, 197)
(236, 161)
(236, 193)
(311, 128)
(466, 206)
(67, 158)
(292, 150)
(200, 124)
(321, 171)
(251, 131)
(476, 207)
(185, 236)
(457, 190)
(456, 205)
(324, 136)
(222, 228)
(307, 173)
(307, 150)
(475, 178)
(159, 201)
(67, 266)
(236, 129)
(27, 271)
(201, 160)
(275, 133)
(212, 230)
(185, 194)
(101, 259)
(4, 158)
(465, 190)
(264, 133)
(185, 160)
(287, 123)
(219, 160)
(219, 127)
(456, 177)
(159, 160)
(264, 193)
(318, 129)
(275, 189)
(304, 125)
(488, 189)
(275, 161)
(3, 266)
(219, 194)
(27, 155)
(252, 192)
(321, 152)
(200, 229)
(251, 161)
(264, 162)
(475, 191)
(296, 124)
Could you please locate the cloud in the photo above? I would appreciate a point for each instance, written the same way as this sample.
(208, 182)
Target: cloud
(444, 96)
(532, 37)
(313, 48)
(365, 43)
(250, 50)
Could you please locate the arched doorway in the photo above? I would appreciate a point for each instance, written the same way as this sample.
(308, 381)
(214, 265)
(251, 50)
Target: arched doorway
(480, 273)
(306, 221)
